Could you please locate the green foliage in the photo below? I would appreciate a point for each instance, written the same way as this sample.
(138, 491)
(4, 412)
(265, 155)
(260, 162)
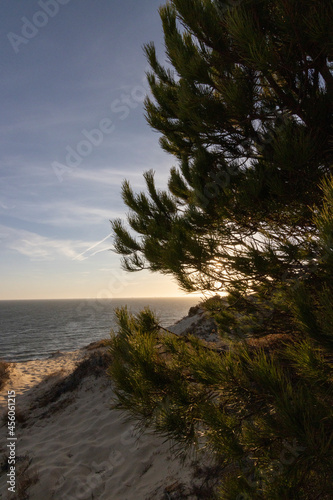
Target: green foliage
(262, 406)
(266, 415)
(246, 109)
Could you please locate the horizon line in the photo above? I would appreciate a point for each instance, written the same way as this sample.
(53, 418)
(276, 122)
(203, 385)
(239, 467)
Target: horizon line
(106, 298)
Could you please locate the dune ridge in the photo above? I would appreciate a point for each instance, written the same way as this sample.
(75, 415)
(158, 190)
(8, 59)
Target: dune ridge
(76, 446)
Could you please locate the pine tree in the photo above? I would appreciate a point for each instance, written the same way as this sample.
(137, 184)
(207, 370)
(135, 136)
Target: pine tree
(263, 410)
(245, 106)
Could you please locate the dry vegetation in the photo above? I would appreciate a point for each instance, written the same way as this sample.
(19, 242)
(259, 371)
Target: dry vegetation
(26, 476)
(4, 373)
(98, 344)
(96, 364)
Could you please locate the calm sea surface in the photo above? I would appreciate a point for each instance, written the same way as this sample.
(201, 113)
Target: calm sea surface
(34, 329)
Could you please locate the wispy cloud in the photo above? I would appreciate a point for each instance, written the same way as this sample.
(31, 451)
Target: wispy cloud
(83, 255)
(106, 176)
(40, 248)
(59, 214)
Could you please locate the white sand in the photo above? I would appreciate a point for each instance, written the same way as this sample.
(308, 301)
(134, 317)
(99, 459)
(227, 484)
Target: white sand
(85, 450)
(79, 446)
(199, 324)
(24, 377)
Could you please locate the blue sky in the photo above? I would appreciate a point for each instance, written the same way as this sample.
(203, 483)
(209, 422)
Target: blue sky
(72, 128)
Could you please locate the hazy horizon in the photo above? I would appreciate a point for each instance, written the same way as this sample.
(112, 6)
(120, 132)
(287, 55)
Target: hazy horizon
(72, 129)
(162, 297)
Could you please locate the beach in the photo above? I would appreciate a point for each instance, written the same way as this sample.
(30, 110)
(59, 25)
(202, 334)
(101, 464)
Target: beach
(70, 443)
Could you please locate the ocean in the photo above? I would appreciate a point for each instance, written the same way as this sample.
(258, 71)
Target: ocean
(34, 329)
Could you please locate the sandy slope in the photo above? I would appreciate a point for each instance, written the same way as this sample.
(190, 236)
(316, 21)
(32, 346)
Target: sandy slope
(84, 449)
(25, 376)
(79, 446)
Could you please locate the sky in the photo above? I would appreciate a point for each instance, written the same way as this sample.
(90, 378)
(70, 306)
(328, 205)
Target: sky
(72, 129)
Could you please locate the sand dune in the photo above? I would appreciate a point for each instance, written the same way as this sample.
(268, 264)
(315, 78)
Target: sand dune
(76, 446)
(72, 445)
(80, 448)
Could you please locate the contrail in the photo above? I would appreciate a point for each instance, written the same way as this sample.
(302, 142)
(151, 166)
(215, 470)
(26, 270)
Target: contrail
(93, 246)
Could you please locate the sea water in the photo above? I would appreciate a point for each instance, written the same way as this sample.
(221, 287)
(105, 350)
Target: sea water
(34, 329)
